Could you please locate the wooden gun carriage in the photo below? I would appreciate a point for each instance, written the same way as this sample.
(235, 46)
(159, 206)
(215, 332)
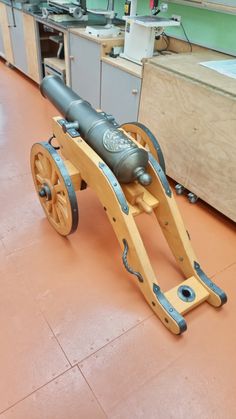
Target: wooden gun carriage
(125, 167)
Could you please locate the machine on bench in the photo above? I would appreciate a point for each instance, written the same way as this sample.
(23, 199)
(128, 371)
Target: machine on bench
(69, 10)
(141, 32)
(62, 10)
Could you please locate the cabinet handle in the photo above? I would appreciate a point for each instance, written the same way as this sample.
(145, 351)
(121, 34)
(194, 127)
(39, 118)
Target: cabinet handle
(71, 57)
(134, 91)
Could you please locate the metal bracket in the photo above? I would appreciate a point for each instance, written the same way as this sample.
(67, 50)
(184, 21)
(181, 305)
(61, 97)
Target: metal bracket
(156, 166)
(69, 128)
(170, 309)
(217, 290)
(110, 118)
(125, 262)
(115, 186)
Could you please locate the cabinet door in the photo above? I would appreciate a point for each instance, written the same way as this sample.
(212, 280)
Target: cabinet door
(1, 42)
(32, 48)
(85, 69)
(6, 36)
(17, 39)
(120, 93)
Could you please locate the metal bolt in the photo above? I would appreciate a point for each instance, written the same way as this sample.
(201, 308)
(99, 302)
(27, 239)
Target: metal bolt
(42, 193)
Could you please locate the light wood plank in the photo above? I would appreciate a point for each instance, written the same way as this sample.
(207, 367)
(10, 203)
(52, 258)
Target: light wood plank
(6, 34)
(182, 306)
(31, 47)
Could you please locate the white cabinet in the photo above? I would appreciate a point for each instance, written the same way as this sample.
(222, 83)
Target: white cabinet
(120, 93)
(19, 41)
(85, 58)
(15, 20)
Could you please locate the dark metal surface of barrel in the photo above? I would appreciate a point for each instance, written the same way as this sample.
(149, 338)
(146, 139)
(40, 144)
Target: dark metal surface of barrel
(125, 159)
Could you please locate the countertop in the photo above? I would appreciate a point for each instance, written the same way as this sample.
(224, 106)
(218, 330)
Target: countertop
(187, 65)
(99, 40)
(126, 65)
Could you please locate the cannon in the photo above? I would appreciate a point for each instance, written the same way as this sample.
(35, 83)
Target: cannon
(125, 167)
(127, 161)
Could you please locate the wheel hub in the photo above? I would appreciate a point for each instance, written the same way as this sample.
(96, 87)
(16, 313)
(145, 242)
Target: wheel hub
(45, 192)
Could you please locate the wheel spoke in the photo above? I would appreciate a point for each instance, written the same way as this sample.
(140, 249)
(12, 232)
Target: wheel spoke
(41, 163)
(133, 135)
(61, 214)
(59, 188)
(49, 206)
(54, 176)
(47, 167)
(39, 166)
(142, 142)
(39, 178)
(61, 199)
(54, 214)
(64, 210)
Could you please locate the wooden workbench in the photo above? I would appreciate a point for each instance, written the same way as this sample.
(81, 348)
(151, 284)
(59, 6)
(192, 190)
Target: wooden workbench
(191, 109)
(106, 43)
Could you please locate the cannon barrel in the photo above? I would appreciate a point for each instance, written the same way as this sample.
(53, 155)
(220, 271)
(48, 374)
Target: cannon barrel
(127, 161)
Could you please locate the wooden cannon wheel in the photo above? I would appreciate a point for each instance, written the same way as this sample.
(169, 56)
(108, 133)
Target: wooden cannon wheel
(54, 187)
(143, 135)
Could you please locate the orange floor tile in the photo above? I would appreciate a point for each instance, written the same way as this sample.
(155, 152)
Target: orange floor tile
(78, 341)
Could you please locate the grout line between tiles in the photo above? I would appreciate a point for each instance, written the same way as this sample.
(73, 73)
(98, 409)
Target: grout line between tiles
(113, 340)
(19, 249)
(161, 371)
(37, 389)
(42, 313)
(149, 380)
(97, 400)
(224, 269)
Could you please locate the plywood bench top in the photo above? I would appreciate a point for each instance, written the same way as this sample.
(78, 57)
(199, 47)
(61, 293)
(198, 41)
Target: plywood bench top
(123, 64)
(187, 65)
(98, 40)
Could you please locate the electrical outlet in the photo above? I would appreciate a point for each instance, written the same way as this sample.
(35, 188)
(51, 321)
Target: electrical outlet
(177, 18)
(164, 7)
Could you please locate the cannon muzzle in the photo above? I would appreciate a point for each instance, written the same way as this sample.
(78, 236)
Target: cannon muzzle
(127, 161)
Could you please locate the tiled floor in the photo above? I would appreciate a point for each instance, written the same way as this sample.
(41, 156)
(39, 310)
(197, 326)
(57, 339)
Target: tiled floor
(78, 340)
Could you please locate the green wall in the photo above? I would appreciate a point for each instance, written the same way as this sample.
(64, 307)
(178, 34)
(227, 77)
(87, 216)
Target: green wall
(204, 27)
(207, 28)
